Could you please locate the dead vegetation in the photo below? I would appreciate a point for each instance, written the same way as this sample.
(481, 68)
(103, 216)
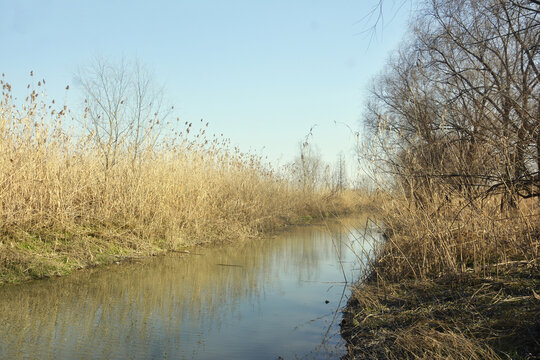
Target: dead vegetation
(461, 317)
(71, 198)
(449, 281)
(454, 139)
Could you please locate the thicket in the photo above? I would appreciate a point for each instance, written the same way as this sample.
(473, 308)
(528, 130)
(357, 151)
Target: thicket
(454, 123)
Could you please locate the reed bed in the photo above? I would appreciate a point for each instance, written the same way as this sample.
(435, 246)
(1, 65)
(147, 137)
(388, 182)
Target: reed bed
(64, 204)
(450, 234)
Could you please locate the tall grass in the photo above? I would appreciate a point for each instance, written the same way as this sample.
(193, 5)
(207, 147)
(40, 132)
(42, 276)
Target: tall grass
(453, 277)
(450, 234)
(61, 203)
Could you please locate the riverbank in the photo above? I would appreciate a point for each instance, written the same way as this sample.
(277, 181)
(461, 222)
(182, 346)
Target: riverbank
(27, 255)
(460, 283)
(464, 317)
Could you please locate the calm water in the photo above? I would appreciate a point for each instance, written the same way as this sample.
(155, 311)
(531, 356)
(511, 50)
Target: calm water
(260, 299)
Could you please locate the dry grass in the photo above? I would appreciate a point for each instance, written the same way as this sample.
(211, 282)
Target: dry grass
(448, 234)
(61, 208)
(451, 279)
(463, 317)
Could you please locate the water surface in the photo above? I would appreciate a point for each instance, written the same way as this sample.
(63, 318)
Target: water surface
(260, 299)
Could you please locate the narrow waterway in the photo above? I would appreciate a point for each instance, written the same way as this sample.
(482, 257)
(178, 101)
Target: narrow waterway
(261, 299)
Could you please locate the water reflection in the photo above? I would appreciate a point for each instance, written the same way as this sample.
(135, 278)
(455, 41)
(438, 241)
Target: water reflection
(259, 299)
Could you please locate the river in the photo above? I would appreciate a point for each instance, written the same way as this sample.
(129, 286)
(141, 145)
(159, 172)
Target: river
(271, 298)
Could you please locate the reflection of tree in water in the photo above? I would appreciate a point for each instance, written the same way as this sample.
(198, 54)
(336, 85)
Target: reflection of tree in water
(157, 305)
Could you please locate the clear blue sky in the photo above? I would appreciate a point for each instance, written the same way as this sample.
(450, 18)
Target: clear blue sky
(261, 72)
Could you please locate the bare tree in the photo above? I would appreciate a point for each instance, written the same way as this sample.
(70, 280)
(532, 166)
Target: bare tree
(124, 107)
(340, 174)
(308, 169)
(460, 103)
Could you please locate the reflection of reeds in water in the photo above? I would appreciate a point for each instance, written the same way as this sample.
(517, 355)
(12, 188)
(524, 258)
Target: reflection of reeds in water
(170, 301)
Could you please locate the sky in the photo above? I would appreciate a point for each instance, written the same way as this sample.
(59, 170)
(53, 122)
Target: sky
(263, 73)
